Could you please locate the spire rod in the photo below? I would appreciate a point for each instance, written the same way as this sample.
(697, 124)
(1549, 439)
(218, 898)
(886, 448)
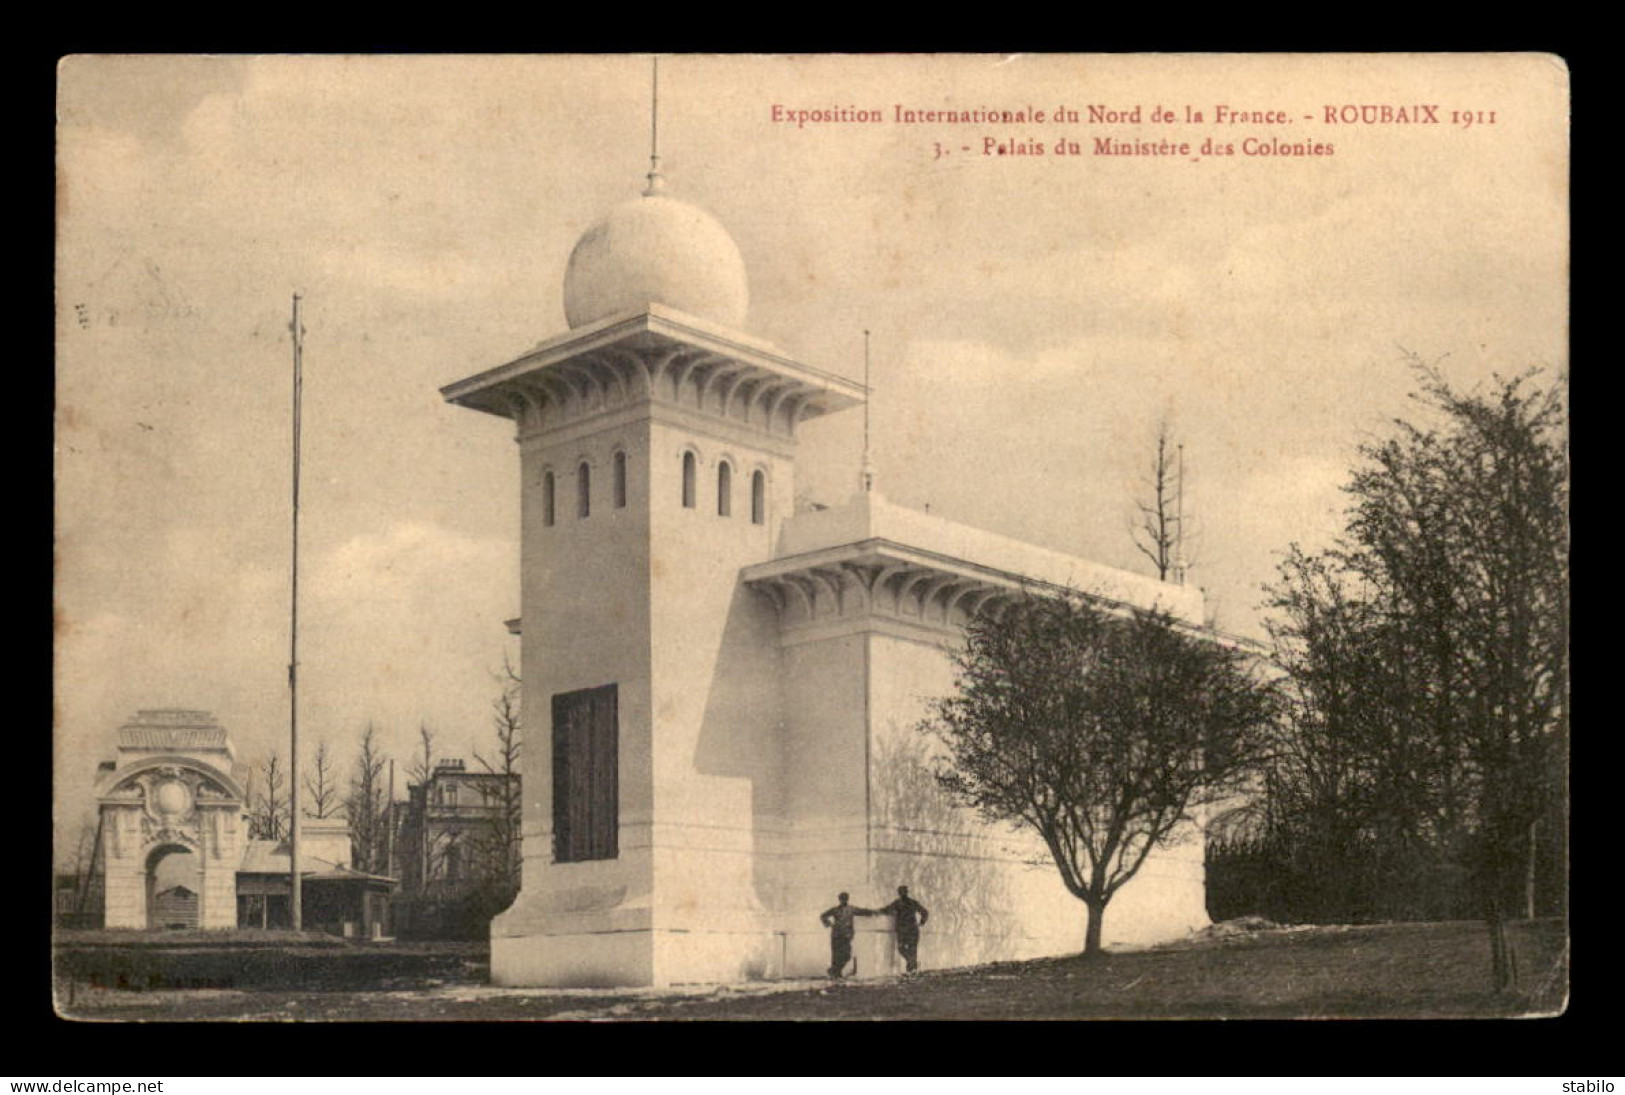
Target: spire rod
(868, 468)
(657, 181)
(1179, 520)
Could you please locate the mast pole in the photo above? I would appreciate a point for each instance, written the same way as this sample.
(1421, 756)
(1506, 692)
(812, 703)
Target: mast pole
(295, 896)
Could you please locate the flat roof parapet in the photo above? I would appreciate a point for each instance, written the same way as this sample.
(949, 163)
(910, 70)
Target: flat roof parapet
(870, 520)
(171, 730)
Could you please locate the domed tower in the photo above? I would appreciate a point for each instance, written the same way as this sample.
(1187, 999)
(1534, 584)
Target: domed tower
(656, 443)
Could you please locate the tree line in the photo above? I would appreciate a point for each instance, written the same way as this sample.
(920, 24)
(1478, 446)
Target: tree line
(1398, 749)
(1424, 746)
(487, 858)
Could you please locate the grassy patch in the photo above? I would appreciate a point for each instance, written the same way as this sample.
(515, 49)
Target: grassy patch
(169, 940)
(1395, 970)
(257, 961)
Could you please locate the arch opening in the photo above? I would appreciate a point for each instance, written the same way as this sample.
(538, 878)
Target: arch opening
(174, 886)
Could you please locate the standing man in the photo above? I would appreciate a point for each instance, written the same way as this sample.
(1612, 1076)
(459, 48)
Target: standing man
(839, 921)
(908, 917)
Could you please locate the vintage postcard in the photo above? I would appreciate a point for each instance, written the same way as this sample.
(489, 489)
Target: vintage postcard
(738, 537)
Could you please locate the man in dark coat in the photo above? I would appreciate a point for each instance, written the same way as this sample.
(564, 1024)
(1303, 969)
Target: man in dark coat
(908, 917)
(840, 922)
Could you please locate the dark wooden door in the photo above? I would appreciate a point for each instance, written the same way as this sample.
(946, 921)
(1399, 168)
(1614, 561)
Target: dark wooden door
(586, 786)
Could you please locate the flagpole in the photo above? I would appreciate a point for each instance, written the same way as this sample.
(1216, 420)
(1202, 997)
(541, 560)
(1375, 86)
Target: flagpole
(295, 892)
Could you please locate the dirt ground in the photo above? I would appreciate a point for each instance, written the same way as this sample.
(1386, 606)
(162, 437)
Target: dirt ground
(1232, 971)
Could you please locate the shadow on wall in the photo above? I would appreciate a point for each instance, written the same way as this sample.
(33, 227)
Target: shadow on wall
(954, 864)
(736, 754)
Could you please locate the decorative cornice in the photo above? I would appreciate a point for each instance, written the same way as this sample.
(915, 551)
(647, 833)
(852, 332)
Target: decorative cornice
(876, 578)
(880, 580)
(660, 356)
(687, 419)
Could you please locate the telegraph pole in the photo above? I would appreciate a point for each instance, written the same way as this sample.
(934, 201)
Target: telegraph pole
(295, 893)
(389, 856)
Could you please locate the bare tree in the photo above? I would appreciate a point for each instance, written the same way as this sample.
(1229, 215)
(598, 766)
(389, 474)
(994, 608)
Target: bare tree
(250, 798)
(500, 851)
(366, 804)
(84, 849)
(1159, 528)
(1101, 733)
(270, 810)
(321, 785)
(86, 862)
(434, 848)
(422, 767)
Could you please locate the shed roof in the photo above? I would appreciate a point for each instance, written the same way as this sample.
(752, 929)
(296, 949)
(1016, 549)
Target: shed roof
(274, 857)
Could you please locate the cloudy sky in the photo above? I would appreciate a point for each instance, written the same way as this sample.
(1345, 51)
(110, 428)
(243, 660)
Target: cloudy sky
(1033, 317)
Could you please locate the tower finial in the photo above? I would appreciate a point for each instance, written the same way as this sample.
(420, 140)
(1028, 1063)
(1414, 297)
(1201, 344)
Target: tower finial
(657, 181)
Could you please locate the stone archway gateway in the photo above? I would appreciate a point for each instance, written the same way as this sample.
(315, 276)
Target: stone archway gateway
(171, 791)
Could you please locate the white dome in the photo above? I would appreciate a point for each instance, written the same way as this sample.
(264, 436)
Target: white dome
(656, 250)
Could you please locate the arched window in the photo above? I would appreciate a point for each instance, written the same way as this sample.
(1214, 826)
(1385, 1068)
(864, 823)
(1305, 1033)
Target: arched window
(725, 489)
(688, 480)
(620, 480)
(547, 499)
(583, 490)
(758, 498)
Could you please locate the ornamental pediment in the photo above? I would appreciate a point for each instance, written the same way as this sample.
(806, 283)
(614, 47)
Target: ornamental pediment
(172, 790)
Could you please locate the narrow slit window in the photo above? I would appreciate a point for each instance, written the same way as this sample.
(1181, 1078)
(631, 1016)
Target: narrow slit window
(688, 480)
(620, 480)
(758, 498)
(547, 499)
(725, 489)
(583, 490)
